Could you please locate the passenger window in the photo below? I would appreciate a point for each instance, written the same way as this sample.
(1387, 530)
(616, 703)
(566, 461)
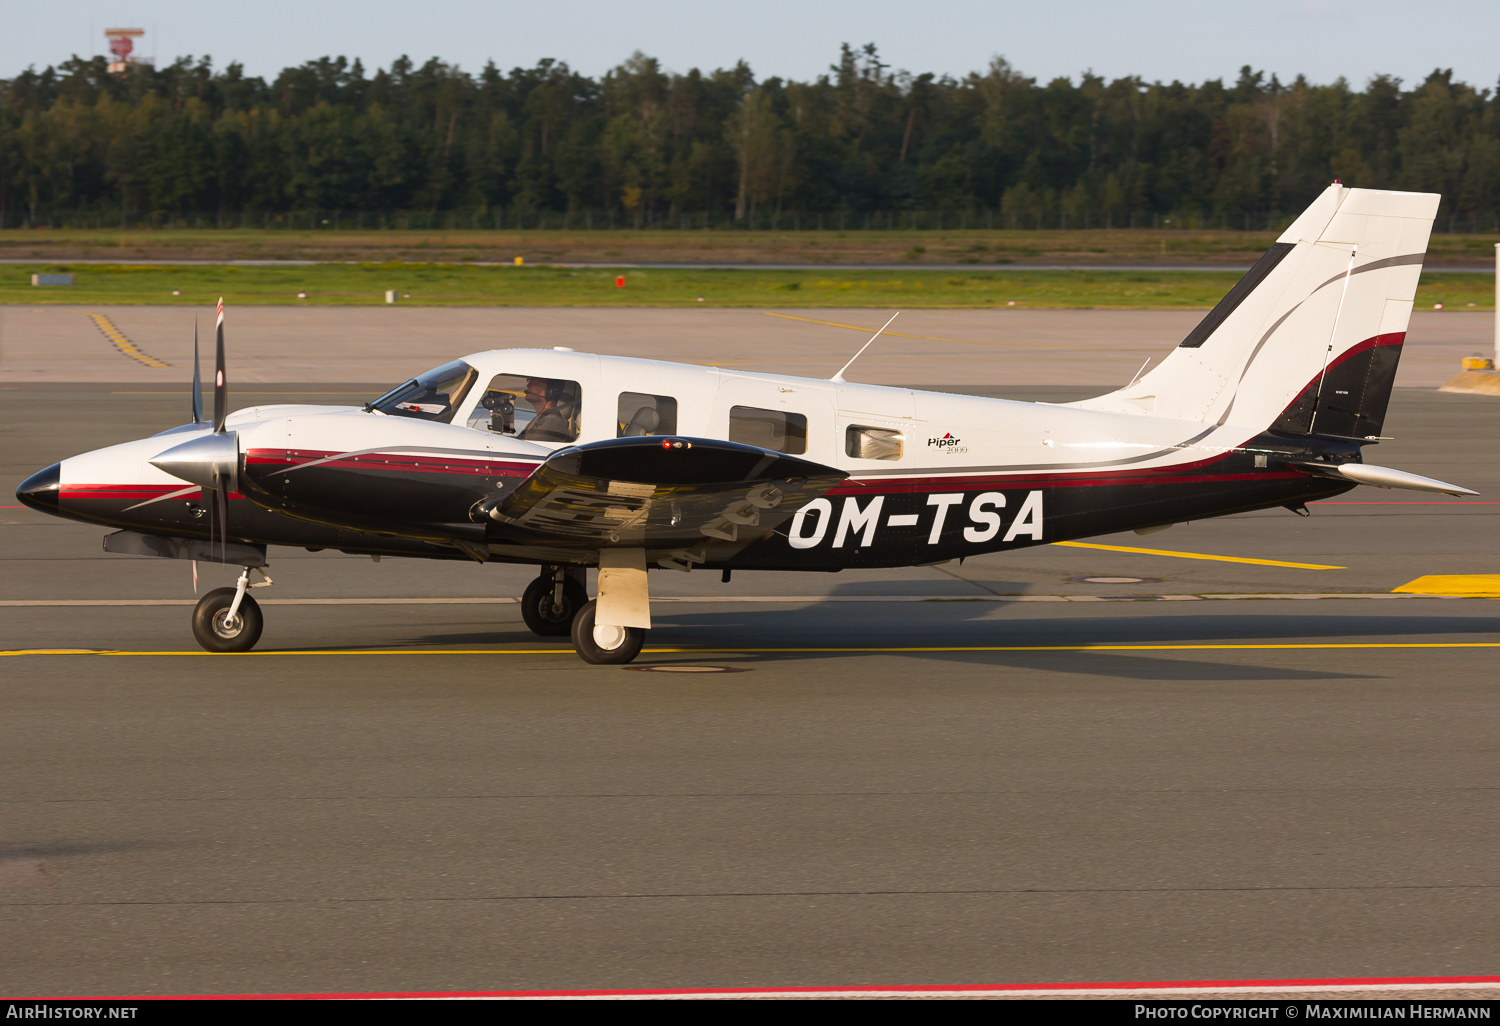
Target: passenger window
(536, 409)
(872, 443)
(642, 414)
(770, 429)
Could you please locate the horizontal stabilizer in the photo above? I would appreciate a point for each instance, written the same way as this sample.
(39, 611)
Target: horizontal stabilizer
(1382, 477)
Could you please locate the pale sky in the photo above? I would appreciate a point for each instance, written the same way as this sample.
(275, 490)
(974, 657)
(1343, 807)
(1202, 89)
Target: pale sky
(1189, 40)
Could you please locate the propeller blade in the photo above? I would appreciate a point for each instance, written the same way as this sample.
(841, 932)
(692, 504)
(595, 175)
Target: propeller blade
(221, 387)
(197, 392)
(221, 511)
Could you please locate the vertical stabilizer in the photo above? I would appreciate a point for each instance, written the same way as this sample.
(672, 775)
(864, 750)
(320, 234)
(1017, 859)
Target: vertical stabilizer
(1307, 342)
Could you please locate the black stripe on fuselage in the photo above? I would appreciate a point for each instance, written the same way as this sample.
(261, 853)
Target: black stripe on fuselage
(978, 519)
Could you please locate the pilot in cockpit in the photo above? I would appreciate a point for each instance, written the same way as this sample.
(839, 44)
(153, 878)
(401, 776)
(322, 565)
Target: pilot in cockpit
(551, 423)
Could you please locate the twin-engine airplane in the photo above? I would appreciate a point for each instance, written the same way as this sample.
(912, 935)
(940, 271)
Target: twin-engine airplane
(567, 460)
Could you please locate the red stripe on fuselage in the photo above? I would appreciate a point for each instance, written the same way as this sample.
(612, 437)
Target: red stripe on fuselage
(395, 461)
(98, 491)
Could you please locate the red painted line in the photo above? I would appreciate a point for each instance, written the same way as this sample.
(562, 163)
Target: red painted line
(992, 988)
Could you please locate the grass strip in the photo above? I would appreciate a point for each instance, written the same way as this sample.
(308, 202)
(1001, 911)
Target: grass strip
(423, 284)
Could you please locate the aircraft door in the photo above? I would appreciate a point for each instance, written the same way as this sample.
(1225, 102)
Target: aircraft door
(795, 418)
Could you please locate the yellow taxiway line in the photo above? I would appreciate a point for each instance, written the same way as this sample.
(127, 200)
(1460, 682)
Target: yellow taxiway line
(854, 650)
(1199, 555)
(1455, 585)
(121, 343)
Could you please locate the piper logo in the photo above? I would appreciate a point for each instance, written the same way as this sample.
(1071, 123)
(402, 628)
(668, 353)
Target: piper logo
(948, 443)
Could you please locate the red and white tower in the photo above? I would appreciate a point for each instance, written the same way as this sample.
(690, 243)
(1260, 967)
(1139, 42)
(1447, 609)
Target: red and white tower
(121, 45)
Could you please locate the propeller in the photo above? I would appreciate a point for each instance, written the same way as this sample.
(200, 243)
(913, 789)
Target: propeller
(222, 481)
(197, 379)
(197, 415)
(209, 461)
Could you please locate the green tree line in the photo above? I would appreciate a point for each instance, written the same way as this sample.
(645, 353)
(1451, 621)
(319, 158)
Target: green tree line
(651, 145)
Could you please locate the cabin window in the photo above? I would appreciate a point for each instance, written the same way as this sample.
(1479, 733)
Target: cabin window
(532, 408)
(776, 430)
(872, 443)
(642, 414)
(433, 396)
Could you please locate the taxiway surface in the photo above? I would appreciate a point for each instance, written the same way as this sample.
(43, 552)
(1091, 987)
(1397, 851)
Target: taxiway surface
(996, 348)
(1056, 780)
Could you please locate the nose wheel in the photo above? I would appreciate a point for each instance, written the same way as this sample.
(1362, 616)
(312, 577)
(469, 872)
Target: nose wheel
(229, 619)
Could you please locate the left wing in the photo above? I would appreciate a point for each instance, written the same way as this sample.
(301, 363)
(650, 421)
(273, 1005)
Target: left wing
(676, 497)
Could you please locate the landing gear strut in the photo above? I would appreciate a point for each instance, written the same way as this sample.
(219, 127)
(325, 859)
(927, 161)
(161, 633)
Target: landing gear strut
(228, 619)
(612, 628)
(552, 601)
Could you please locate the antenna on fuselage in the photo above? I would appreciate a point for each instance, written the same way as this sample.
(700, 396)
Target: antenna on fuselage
(840, 375)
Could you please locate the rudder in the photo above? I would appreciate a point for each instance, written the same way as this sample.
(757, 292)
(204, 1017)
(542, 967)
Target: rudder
(1309, 340)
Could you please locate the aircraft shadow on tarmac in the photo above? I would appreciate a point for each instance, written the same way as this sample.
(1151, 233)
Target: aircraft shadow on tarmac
(891, 627)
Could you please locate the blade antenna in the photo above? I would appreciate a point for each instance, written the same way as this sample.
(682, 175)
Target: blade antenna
(1140, 372)
(840, 375)
(197, 391)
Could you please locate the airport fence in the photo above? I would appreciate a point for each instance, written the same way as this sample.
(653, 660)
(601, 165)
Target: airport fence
(516, 219)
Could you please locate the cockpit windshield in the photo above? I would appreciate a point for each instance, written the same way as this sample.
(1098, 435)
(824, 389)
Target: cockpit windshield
(432, 396)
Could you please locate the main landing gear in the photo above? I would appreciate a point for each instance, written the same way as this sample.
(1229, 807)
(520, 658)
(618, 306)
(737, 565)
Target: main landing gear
(552, 601)
(604, 645)
(228, 619)
(608, 630)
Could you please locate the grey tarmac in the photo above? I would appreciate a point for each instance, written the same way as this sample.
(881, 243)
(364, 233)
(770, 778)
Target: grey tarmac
(1222, 794)
(314, 346)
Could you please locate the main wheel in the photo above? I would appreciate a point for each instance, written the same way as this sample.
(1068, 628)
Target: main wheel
(213, 628)
(604, 645)
(545, 619)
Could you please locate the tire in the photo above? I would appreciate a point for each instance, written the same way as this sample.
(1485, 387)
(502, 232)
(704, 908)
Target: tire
(536, 607)
(627, 644)
(212, 632)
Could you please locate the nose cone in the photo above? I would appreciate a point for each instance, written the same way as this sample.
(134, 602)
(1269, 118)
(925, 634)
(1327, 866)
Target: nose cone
(205, 461)
(39, 491)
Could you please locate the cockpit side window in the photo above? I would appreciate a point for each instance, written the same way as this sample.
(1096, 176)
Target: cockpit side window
(533, 408)
(431, 396)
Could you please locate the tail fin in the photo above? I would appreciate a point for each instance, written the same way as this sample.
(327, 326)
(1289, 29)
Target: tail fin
(1306, 342)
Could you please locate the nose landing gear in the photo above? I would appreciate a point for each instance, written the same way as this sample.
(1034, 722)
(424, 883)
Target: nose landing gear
(229, 619)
